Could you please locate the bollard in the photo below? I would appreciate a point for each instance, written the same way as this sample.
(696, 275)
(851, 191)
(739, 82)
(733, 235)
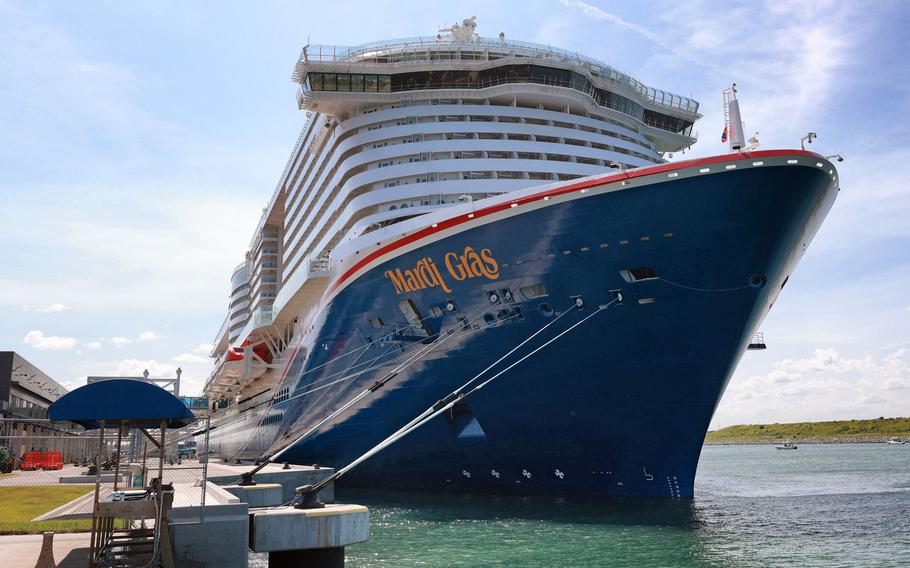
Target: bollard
(46, 558)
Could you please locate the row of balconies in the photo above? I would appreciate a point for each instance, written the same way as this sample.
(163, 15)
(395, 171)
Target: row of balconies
(344, 148)
(533, 139)
(589, 154)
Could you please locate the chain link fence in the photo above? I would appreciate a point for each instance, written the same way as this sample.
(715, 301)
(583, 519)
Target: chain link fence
(49, 470)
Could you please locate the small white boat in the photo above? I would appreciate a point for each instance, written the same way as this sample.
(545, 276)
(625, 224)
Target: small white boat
(896, 441)
(787, 446)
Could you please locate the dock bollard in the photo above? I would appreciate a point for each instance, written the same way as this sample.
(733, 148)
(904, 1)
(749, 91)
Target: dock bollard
(306, 498)
(46, 558)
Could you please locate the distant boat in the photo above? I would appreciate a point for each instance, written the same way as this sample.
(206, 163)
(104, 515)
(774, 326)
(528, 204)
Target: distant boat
(896, 441)
(787, 446)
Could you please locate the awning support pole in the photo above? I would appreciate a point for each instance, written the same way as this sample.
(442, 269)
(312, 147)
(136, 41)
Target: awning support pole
(94, 544)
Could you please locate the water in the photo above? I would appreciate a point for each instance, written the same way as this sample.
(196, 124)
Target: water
(822, 505)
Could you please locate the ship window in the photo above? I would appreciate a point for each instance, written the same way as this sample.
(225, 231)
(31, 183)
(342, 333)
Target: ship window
(344, 82)
(384, 83)
(357, 83)
(376, 323)
(316, 81)
(328, 81)
(369, 83)
(638, 274)
(533, 291)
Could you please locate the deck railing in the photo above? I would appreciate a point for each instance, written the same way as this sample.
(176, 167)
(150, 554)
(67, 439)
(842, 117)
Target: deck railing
(417, 49)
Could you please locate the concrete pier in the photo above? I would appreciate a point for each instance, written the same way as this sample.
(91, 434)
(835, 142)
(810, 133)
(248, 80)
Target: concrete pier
(234, 520)
(289, 479)
(259, 495)
(308, 537)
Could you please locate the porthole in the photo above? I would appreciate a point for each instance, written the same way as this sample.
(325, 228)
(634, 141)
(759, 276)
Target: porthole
(546, 310)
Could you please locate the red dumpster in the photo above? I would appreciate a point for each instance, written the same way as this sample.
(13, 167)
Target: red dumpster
(32, 461)
(52, 460)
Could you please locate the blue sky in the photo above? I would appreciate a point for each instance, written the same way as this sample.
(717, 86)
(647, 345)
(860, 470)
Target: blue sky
(139, 142)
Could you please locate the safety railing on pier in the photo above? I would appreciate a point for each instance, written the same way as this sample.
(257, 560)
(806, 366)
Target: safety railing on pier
(48, 471)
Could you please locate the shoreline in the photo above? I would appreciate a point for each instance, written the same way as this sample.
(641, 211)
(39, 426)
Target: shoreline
(820, 440)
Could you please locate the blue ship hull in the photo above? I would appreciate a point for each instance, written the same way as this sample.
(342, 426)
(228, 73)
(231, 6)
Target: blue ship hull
(619, 405)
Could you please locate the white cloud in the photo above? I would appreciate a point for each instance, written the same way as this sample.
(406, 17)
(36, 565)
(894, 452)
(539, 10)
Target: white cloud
(48, 309)
(186, 358)
(602, 15)
(825, 360)
(93, 345)
(121, 342)
(73, 384)
(204, 348)
(41, 342)
(191, 381)
(148, 337)
(824, 386)
(797, 59)
(135, 368)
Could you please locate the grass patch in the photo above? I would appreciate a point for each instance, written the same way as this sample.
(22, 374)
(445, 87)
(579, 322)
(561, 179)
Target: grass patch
(20, 504)
(879, 427)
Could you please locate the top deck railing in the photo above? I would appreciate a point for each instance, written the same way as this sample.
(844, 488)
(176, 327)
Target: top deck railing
(417, 49)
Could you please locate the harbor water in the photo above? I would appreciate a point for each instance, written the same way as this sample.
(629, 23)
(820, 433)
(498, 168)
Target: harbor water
(822, 505)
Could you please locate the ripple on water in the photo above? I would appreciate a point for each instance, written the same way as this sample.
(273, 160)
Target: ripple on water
(835, 505)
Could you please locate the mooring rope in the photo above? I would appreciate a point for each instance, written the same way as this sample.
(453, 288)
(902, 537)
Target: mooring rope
(398, 330)
(451, 400)
(696, 289)
(440, 339)
(271, 401)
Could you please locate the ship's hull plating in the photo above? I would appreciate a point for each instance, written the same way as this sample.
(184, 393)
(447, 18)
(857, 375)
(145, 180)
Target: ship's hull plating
(619, 405)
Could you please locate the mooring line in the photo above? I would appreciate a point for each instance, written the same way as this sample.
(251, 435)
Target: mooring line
(696, 289)
(459, 333)
(444, 404)
(440, 339)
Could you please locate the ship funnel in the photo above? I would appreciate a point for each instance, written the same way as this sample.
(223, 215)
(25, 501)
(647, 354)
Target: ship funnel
(733, 122)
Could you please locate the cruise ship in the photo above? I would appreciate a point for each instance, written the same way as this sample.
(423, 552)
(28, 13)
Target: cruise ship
(459, 209)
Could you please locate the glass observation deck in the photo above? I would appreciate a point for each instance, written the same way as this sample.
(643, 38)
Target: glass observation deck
(433, 49)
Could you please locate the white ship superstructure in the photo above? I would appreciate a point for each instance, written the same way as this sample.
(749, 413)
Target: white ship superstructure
(397, 129)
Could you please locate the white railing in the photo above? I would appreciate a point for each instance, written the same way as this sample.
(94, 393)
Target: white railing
(321, 265)
(432, 49)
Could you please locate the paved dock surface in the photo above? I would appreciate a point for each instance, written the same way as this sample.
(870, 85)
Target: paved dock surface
(22, 550)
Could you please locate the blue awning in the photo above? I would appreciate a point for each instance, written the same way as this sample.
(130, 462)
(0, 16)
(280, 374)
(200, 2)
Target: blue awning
(115, 400)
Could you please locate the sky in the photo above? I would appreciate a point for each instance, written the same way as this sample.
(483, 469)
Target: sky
(140, 141)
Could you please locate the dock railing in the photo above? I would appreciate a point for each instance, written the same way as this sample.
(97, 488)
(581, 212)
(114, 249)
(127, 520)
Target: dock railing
(48, 471)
